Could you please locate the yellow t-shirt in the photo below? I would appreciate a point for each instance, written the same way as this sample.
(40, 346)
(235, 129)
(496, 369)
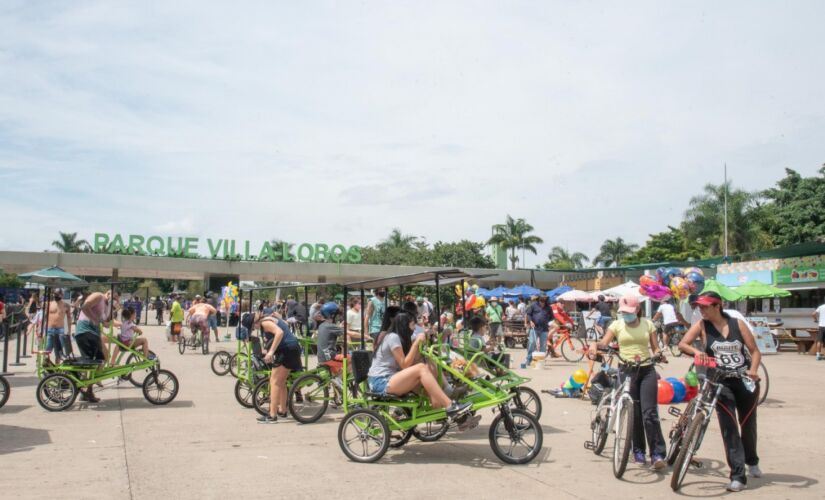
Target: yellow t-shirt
(633, 341)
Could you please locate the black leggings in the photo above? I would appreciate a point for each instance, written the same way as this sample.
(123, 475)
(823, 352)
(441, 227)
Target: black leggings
(736, 408)
(644, 390)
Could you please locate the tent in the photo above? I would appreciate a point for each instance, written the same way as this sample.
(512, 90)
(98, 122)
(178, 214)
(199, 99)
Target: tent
(576, 296)
(554, 293)
(495, 292)
(525, 291)
(624, 289)
(726, 293)
(757, 290)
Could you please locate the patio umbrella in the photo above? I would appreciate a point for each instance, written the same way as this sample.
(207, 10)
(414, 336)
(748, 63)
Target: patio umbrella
(629, 288)
(525, 291)
(52, 276)
(757, 290)
(497, 292)
(576, 296)
(554, 293)
(726, 293)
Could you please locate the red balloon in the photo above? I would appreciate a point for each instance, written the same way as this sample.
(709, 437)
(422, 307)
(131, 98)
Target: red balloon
(665, 392)
(691, 393)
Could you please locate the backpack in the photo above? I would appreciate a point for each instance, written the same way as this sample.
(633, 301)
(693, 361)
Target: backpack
(247, 320)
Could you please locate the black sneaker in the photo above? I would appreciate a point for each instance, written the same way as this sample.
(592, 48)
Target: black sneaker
(457, 409)
(267, 420)
(283, 415)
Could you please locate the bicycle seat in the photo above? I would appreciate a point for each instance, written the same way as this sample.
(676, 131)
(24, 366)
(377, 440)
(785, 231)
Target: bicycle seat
(390, 397)
(83, 362)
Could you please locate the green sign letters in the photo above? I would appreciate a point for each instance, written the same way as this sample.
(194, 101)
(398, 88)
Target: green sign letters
(224, 249)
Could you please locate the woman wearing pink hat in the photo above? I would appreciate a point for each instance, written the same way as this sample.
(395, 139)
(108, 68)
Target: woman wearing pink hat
(637, 340)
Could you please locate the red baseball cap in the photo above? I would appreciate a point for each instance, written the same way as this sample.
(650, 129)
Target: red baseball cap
(709, 299)
(629, 304)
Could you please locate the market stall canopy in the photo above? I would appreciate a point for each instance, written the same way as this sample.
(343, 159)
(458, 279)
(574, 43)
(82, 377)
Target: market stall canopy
(576, 296)
(52, 276)
(495, 292)
(757, 290)
(524, 291)
(726, 293)
(554, 293)
(629, 288)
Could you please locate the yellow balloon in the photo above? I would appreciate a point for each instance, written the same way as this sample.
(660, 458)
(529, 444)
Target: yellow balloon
(580, 376)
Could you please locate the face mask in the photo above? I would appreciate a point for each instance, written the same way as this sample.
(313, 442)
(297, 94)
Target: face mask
(629, 317)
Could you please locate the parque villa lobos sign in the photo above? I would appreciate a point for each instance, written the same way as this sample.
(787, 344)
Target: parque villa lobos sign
(224, 249)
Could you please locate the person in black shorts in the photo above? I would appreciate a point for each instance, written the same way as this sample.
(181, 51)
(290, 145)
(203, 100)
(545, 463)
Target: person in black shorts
(283, 355)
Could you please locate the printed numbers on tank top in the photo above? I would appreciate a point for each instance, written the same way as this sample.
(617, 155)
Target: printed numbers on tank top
(730, 360)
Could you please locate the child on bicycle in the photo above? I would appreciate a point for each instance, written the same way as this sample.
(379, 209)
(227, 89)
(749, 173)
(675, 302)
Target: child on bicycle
(128, 336)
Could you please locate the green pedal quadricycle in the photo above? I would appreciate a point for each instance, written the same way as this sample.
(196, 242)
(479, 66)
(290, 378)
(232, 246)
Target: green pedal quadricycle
(373, 423)
(61, 383)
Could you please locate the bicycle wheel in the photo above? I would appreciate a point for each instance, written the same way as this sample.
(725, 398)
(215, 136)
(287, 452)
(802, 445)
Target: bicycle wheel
(690, 446)
(243, 393)
(515, 436)
(623, 440)
(678, 432)
(398, 437)
(764, 383)
(181, 343)
(261, 397)
(573, 349)
(220, 363)
(363, 436)
(233, 364)
(56, 392)
(137, 377)
(308, 398)
(5, 390)
(599, 425)
(674, 345)
(430, 432)
(161, 387)
(528, 400)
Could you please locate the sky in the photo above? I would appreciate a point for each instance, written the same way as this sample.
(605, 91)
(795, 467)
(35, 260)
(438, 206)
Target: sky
(335, 122)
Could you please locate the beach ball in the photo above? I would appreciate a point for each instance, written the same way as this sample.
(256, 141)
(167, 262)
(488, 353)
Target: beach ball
(665, 392)
(580, 376)
(575, 384)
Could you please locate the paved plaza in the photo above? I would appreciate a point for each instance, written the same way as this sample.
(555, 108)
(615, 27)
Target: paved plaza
(205, 445)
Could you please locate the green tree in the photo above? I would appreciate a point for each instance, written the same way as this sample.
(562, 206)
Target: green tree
(10, 280)
(614, 252)
(464, 253)
(397, 240)
(705, 220)
(796, 209)
(561, 258)
(670, 245)
(513, 236)
(68, 243)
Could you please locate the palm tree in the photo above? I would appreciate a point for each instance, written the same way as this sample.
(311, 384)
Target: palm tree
(561, 258)
(68, 243)
(513, 236)
(705, 220)
(397, 239)
(613, 252)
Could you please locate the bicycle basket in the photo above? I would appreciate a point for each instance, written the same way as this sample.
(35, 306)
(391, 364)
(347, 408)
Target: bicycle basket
(361, 361)
(596, 392)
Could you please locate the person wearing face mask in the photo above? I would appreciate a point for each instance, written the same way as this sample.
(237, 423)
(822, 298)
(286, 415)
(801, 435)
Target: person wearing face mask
(637, 339)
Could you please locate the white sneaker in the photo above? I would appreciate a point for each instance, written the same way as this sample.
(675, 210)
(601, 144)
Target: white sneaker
(735, 486)
(754, 471)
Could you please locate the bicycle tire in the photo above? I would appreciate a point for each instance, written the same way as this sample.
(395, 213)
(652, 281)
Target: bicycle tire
(181, 343)
(528, 400)
(5, 390)
(624, 435)
(689, 448)
(764, 383)
(573, 349)
(674, 345)
(220, 363)
(599, 425)
(678, 432)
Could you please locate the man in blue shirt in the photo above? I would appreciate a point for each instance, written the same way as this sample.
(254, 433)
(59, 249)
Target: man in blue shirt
(538, 315)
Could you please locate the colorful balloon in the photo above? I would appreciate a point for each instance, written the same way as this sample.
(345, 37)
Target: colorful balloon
(575, 384)
(691, 380)
(679, 389)
(580, 376)
(648, 280)
(656, 292)
(696, 282)
(660, 275)
(568, 385)
(679, 287)
(691, 393)
(665, 392)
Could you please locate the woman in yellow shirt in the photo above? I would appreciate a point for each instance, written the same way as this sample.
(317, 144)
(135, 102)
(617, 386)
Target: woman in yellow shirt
(637, 340)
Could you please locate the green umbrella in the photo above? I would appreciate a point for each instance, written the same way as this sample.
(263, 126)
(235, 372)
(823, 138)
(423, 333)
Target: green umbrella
(52, 276)
(757, 290)
(723, 291)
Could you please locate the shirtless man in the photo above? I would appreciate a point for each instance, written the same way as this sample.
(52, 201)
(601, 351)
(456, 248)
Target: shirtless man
(198, 317)
(56, 334)
(96, 311)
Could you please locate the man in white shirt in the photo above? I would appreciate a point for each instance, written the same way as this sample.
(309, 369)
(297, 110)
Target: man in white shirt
(354, 318)
(670, 319)
(819, 317)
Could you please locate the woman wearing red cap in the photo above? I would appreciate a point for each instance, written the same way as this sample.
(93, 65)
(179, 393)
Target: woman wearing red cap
(637, 339)
(730, 341)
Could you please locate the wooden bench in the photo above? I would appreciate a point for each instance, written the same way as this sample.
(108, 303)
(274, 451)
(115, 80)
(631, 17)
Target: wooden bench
(803, 344)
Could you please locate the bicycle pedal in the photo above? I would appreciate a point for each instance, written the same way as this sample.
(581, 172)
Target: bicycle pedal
(676, 412)
(589, 445)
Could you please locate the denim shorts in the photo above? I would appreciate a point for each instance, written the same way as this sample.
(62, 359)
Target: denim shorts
(212, 321)
(379, 385)
(54, 336)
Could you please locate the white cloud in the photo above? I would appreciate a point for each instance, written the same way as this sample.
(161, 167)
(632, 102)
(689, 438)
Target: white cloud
(339, 122)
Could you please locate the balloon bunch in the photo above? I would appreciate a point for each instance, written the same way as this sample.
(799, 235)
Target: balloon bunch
(229, 295)
(575, 382)
(472, 301)
(672, 282)
(674, 390)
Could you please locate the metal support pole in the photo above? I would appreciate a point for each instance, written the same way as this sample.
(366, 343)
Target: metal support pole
(7, 329)
(306, 310)
(346, 325)
(146, 321)
(463, 307)
(363, 341)
(437, 305)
